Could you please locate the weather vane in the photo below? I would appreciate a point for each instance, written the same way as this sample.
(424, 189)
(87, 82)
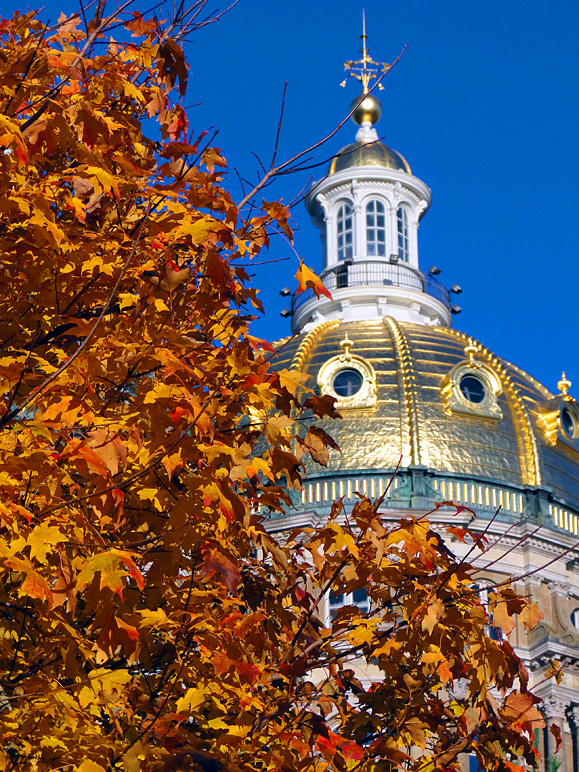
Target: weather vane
(365, 69)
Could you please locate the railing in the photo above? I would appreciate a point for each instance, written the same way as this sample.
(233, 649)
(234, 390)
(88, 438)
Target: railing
(376, 273)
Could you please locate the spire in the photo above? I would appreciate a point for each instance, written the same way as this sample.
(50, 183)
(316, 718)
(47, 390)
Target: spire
(365, 69)
(366, 107)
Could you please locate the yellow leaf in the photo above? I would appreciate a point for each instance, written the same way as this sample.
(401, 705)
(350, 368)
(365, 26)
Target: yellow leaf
(152, 618)
(90, 766)
(200, 230)
(38, 218)
(217, 723)
(160, 305)
(127, 299)
(191, 700)
(114, 566)
(531, 615)
(42, 538)
(147, 494)
(109, 680)
(105, 180)
(433, 614)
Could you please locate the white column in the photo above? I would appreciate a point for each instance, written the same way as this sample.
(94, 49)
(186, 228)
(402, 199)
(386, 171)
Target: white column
(331, 239)
(413, 240)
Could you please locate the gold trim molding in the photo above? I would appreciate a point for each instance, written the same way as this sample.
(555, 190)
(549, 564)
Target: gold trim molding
(408, 392)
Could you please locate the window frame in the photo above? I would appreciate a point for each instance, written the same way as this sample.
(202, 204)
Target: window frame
(345, 227)
(375, 244)
(403, 234)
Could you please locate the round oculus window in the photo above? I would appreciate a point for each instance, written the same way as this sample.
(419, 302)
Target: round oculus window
(347, 383)
(568, 423)
(473, 389)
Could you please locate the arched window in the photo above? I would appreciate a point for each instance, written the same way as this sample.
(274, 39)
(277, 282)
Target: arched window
(375, 229)
(575, 618)
(403, 240)
(345, 232)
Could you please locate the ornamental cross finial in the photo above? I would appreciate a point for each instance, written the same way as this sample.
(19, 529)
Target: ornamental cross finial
(365, 69)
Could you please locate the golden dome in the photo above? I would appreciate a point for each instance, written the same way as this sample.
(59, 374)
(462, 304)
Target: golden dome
(514, 443)
(368, 154)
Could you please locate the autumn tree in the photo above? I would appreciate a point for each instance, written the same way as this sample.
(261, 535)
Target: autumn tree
(148, 619)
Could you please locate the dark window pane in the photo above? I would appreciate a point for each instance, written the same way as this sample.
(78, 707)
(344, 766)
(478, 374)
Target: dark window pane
(472, 388)
(360, 598)
(347, 383)
(568, 423)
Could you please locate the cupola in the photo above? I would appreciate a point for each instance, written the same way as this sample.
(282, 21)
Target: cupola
(368, 209)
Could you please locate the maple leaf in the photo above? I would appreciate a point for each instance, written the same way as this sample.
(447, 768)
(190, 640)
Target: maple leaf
(500, 613)
(531, 615)
(216, 562)
(172, 64)
(114, 567)
(307, 278)
(34, 584)
(520, 709)
(42, 538)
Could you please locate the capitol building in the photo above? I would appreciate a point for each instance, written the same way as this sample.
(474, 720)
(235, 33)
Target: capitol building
(434, 407)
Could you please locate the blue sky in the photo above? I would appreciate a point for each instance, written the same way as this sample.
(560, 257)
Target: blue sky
(484, 106)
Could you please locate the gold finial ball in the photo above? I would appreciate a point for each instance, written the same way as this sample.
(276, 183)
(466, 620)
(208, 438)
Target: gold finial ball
(369, 110)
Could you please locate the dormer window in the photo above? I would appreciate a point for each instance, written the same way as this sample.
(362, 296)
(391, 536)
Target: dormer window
(345, 232)
(403, 240)
(375, 229)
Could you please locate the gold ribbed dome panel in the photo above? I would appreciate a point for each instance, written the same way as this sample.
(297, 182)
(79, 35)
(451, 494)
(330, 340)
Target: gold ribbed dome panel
(410, 422)
(368, 154)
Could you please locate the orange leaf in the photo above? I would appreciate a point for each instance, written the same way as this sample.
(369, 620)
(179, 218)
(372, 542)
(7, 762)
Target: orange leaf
(444, 672)
(458, 533)
(500, 614)
(215, 562)
(520, 709)
(258, 344)
(34, 584)
(307, 278)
